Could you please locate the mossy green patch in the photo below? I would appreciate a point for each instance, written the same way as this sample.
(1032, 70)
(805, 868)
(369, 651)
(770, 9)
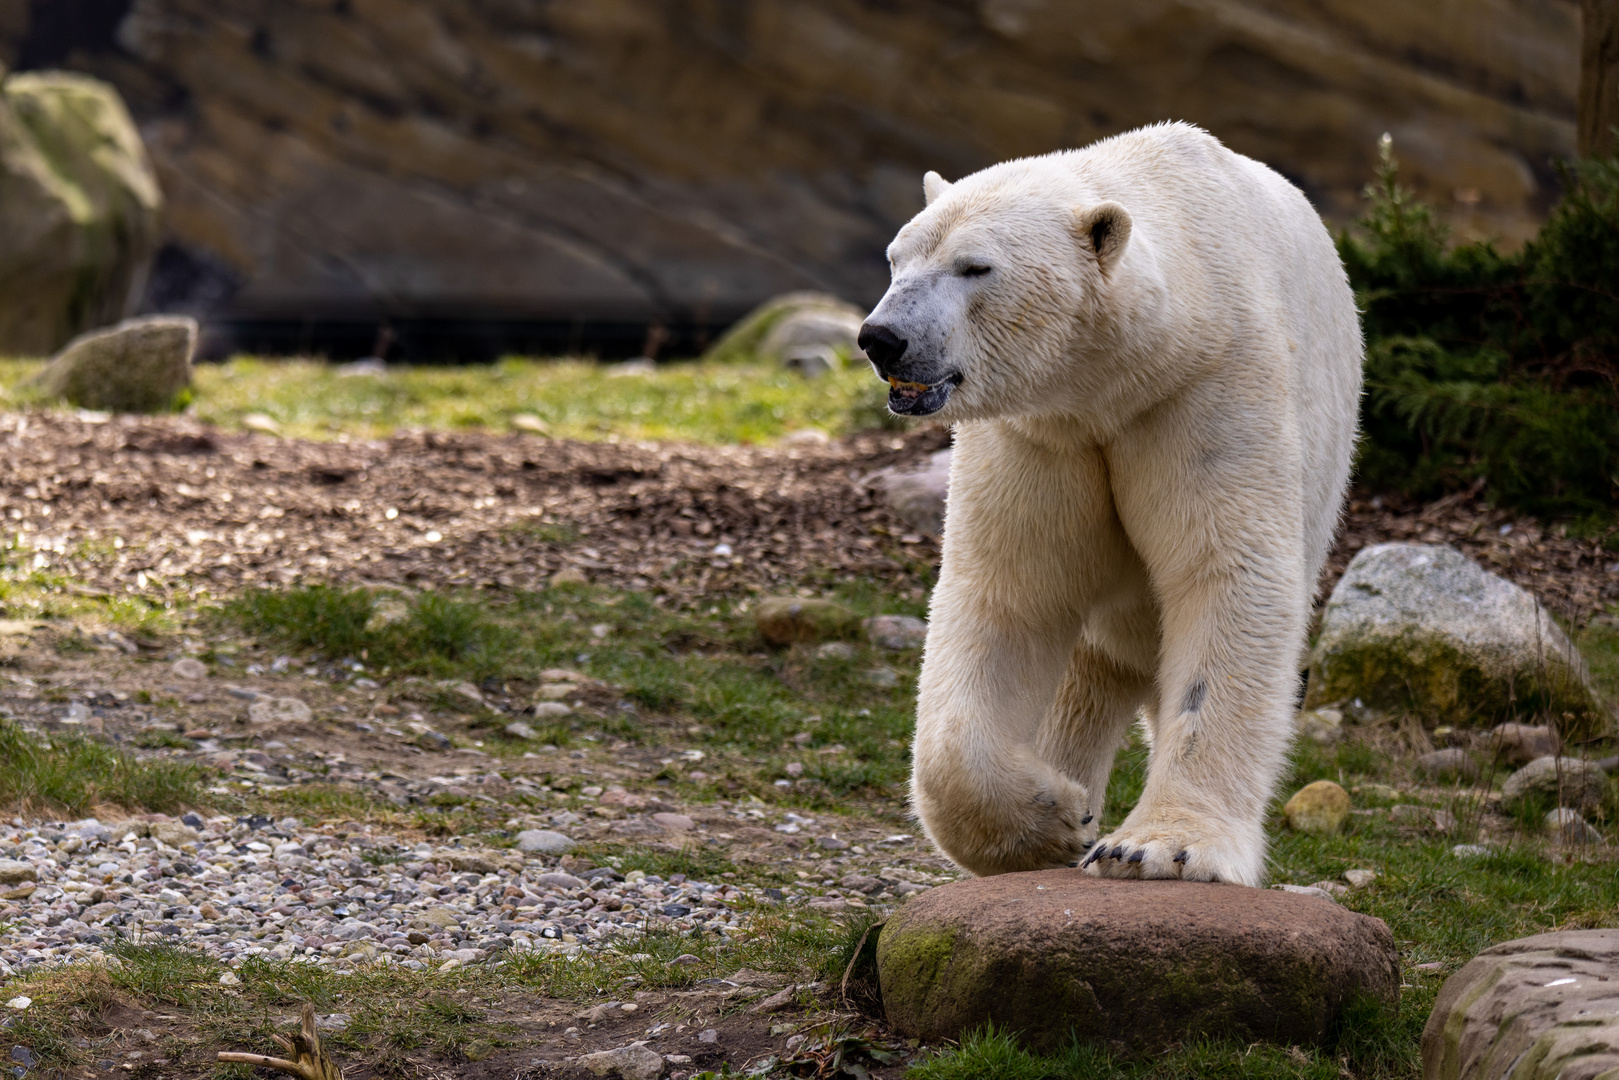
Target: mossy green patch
(1442, 684)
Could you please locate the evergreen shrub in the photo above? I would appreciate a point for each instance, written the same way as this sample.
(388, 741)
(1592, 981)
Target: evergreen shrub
(1492, 372)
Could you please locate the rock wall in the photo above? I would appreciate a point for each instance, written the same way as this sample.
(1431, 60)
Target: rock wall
(641, 158)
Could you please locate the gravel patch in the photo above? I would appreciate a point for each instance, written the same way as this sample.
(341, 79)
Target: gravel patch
(239, 887)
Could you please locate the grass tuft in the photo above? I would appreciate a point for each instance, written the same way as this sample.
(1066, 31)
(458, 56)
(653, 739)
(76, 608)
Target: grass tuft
(71, 774)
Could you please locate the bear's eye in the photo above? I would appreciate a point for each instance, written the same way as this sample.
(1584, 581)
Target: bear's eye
(973, 270)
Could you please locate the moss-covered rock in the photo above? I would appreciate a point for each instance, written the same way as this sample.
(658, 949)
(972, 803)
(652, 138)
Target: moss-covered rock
(785, 620)
(784, 324)
(79, 209)
(1557, 781)
(1420, 629)
(1141, 963)
(140, 365)
(1320, 808)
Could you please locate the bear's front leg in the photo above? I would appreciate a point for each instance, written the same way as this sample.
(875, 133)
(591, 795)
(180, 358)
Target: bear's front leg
(1219, 742)
(980, 788)
(1031, 541)
(1220, 533)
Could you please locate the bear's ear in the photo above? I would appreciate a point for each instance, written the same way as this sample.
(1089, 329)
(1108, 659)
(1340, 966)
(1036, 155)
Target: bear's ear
(933, 185)
(1105, 229)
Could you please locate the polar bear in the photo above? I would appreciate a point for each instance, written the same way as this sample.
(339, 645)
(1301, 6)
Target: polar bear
(1152, 358)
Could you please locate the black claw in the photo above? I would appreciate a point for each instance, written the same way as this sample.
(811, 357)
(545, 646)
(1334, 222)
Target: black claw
(1180, 856)
(1136, 857)
(1087, 819)
(1117, 852)
(1094, 855)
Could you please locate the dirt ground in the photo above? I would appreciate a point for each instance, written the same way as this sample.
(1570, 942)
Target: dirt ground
(140, 503)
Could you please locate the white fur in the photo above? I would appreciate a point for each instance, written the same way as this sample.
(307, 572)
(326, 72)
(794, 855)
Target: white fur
(1152, 443)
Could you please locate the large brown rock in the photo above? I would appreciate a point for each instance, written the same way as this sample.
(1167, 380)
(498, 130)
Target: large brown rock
(1143, 963)
(79, 207)
(626, 157)
(1540, 1008)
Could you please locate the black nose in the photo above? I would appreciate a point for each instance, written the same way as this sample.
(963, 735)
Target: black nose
(881, 344)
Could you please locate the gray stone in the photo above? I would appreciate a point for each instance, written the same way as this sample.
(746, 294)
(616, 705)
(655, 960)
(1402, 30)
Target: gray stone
(1539, 1008)
(633, 1062)
(829, 326)
(544, 842)
(386, 611)
(917, 494)
(1359, 879)
(1451, 763)
(189, 667)
(1570, 827)
(1567, 781)
(1057, 953)
(1421, 629)
(140, 365)
(673, 822)
(281, 710)
(90, 829)
(1519, 744)
(896, 631)
(559, 880)
(472, 862)
(520, 730)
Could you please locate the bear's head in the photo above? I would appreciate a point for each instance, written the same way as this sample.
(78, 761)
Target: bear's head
(993, 283)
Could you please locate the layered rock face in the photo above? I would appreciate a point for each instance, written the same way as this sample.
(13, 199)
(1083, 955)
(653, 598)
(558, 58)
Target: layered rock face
(689, 158)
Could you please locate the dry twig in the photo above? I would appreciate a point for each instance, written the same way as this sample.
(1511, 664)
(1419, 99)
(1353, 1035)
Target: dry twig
(309, 1060)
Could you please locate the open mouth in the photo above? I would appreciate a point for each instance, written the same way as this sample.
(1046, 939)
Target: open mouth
(919, 399)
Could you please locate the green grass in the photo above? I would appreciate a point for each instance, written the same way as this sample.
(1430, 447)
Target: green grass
(745, 401)
(696, 862)
(70, 774)
(702, 677)
(394, 1010)
(675, 671)
(989, 1054)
